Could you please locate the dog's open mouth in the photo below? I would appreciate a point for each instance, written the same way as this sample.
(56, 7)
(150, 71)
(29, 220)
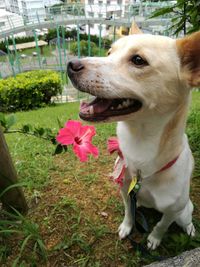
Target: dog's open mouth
(101, 109)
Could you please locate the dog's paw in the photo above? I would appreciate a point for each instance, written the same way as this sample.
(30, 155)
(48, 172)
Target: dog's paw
(190, 230)
(124, 230)
(153, 242)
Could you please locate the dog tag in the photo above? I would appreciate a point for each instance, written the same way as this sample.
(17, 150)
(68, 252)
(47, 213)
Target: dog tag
(132, 184)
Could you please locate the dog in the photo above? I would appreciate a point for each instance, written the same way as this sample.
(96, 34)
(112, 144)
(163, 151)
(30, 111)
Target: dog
(144, 84)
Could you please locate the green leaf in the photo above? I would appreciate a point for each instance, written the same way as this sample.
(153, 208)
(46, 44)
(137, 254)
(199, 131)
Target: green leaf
(26, 128)
(162, 11)
(10, 187)
(2, 120)
(53, 141)
(42, 248)
(25, 243)
(39, 131)
(59, 149)
(65, 148)
(60, 125)
(10, 121)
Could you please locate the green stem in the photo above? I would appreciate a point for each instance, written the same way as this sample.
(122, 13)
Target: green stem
(27, 133)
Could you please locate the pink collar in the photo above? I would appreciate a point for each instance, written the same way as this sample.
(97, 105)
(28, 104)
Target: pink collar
(120, 167)
(168, 165)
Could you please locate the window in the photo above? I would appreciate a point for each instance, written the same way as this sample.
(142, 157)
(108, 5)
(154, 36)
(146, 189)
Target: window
(2, 23)
(91, 14)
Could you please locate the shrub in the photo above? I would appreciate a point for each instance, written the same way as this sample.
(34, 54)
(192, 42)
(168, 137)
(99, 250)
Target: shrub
(84, 48)
(29, 90)
(18, 40)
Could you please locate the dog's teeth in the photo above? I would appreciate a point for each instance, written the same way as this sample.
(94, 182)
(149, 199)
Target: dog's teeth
(91, 110)
(119, 106)
(128, 101)
(125, 103)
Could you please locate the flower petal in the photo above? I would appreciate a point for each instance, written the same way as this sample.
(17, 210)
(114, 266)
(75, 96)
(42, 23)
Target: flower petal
(118, 174)
(81, 153)
(84, 149)
(86, 133)
(65, 137)
(113, 145)
(74, 127)
(92, 150)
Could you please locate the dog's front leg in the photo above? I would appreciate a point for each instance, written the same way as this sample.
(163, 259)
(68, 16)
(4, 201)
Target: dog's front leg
(155, 237)
(127, 224)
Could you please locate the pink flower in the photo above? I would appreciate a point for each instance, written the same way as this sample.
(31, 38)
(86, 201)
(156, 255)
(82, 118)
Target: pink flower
(80, 136)
(113, 145)
(120, 167)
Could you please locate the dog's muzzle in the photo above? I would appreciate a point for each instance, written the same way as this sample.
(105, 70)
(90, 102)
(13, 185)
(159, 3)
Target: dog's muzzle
(74, 67)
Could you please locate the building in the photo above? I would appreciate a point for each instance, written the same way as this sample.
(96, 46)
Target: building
(9, 19)
(2, 4)
(31, 10)
(105, 10)
(12, 6)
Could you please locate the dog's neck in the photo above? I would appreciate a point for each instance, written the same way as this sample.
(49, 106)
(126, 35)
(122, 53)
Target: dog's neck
(150, 143)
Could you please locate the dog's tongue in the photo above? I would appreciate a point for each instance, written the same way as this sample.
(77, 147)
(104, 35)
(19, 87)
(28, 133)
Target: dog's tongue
(96, 106)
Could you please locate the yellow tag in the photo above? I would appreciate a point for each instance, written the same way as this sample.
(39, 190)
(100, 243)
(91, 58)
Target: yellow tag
(132, 184)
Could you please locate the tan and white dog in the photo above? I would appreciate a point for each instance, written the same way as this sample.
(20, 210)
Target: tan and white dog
(145, 85)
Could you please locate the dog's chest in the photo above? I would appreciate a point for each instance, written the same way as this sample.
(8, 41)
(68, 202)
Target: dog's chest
(139, 151)
(145, 198)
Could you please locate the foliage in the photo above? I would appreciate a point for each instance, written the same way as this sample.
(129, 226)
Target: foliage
(193, 132)
(18, 40)
(29, 90)
(52, 33)
(28, 231)
(70, 198)
(185, 16)
(7, 121)
(84, 48)
(72, 34)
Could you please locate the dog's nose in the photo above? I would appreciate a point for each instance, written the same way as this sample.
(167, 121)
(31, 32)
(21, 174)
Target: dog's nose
(75, 66)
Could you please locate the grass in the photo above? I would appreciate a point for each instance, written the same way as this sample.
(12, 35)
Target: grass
(74, 208)
(46, 52)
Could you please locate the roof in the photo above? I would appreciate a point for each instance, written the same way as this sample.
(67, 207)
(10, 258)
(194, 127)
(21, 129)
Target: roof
(26, 45)
(4, 12)
(2, 53)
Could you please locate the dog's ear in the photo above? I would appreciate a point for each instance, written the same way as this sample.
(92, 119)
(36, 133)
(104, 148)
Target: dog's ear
(134, 29)
(189, 52)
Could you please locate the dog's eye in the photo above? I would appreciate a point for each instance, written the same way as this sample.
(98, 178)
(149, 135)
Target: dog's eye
(138, 60)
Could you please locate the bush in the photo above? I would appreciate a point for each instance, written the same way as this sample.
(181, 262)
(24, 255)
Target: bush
(84, 48)
(52, 33)
(29, 90)
(18, 40)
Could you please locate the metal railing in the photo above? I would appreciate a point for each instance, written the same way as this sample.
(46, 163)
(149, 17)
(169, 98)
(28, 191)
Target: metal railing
(77, 16)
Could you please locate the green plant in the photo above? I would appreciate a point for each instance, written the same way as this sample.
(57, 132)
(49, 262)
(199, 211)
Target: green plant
(18, 40)
(16, 223)
(184, 16)
(84, 48)
(7, 121)
(52, 33)
(69, 204)
(29, 90)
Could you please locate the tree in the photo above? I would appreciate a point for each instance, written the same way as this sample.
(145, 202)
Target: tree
(185, 16)
(84, 48)
(13, 195)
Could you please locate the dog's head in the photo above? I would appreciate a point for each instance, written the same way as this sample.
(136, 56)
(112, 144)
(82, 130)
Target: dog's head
(142, 73)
